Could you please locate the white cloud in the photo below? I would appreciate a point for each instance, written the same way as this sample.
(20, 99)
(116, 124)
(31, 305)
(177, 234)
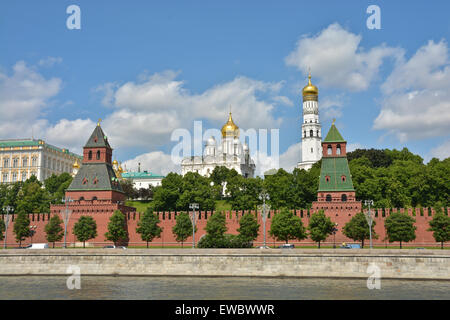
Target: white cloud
(50, 61)
(146, 112)
(156, 162)
(331, 107)
(441, 152)
(23, 96)
(353, 146)
(287, 160)
(416, 101)
(337, 59)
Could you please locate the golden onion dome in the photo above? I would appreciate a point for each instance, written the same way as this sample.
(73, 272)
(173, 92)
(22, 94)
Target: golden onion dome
(230, 129)
(120, 169)
(310, 89)
(115, 163)
(76, 165)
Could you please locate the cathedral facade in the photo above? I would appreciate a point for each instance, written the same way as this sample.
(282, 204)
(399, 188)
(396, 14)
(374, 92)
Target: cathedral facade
(311, 127)
(230, 153)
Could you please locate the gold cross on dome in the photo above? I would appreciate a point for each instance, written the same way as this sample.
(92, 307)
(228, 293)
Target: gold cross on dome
(99, 120)
(334, 120)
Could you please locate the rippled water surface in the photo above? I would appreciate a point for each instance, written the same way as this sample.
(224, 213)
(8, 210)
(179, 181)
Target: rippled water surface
(94, 287)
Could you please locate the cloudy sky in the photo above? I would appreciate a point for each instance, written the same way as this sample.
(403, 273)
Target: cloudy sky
(151, 67)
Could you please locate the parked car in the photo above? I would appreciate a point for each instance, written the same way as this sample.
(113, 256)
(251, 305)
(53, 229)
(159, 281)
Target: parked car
(351, 246)
(263, 247)
(114, 247)
(38, 246)
(287, 246)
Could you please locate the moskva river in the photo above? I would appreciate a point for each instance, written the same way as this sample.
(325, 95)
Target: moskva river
(105, 287)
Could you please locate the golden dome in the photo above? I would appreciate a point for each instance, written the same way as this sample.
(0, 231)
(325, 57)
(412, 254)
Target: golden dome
(76, 165)
(115, 163)
(229, 129)
(310, 89)
(120, 169)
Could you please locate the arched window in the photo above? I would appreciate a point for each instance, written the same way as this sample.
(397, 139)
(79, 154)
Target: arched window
(317, 133)
(329, 150)
(344, 198)
(343, 178)
(81, 198)
(328, 198)
(311, 150)
(327, 179)
(94, 198)
(338, 149)
(311, 133)
(98, 154)
(90, 155)
(304, 133)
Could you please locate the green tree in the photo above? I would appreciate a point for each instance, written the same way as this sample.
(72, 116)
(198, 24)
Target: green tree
(148, 226)
(248, 228)
(85, 229)
(129, 190)
(117, 228)
(320, 227)
(244, 192)
(33, 198)
(400, 227)
(286, 226)
(215, 232)
(183, 227)
(21, 227)
(165, 197)
(54, 230)
(357, 229)
(440, 225)
(2, 229)
(56, 186)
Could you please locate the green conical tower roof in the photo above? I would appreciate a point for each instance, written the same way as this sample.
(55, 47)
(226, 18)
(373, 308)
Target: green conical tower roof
(333, 135)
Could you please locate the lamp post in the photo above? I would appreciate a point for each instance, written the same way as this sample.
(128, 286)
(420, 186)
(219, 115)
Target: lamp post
(193, 206)
(265, 207)
(369, 219)
(66, 215)
(32, 232)
(8, 209)
(335, 229)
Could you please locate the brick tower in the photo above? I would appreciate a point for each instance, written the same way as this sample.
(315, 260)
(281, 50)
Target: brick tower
(95, 190)
(336, 192)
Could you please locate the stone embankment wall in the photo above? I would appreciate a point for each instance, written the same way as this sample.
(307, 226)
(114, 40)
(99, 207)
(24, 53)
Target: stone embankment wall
(338, 263)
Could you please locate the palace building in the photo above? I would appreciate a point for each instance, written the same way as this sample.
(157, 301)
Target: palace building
(231, 153)
(311, 127)
(21, 159)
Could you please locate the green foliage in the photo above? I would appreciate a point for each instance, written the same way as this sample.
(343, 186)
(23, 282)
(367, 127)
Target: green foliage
(21, 227)
(117, 230)
(56, 186)
(129, 190)
(357, 229)
(148, 226)
(248, 228)
(32, 198)
(2, 229)
(320, 227)
(196, 189)
(400, 227)
(440, 225)
(244, 192)
(183, 227)
(85, 229)
(215, 232)
(54, 230)
(286, 226)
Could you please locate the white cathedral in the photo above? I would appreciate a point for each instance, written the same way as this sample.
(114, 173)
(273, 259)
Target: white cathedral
(231, 153)
(311, 128)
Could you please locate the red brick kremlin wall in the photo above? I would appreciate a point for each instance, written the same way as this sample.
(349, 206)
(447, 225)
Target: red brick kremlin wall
(423, 237)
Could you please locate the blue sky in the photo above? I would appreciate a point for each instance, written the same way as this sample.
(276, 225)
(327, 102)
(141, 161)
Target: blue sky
(149, 67)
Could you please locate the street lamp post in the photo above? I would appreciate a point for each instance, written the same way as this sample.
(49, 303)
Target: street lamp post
(265, 207)
(369, 219)
(8, 209)
(193, 206)
(335, 229)
(32, 232)
(66, 214)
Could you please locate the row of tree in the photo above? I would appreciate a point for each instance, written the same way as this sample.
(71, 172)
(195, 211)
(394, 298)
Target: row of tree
(392, 178)
(285, 226)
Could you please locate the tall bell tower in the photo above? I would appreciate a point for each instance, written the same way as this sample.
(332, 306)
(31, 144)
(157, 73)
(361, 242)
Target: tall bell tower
(311, 127)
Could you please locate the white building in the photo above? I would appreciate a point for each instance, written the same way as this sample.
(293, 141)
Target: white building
(230, 153)
(311, 127)
(143, 179)
(20, 159)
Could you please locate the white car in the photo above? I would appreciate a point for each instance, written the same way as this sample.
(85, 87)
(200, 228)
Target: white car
(38, 246)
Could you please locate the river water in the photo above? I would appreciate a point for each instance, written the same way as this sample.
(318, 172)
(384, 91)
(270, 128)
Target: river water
(222, 288)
